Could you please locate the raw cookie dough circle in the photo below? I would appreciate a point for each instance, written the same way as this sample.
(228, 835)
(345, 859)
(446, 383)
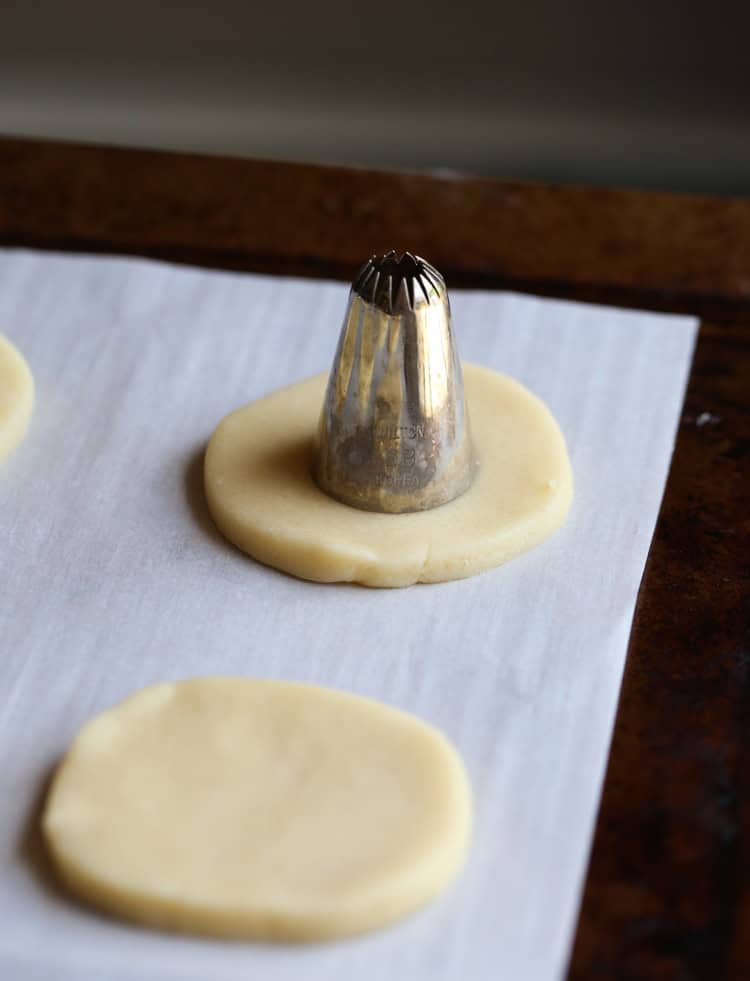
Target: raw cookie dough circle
(243, 808)
(262, 495)
(16, 397)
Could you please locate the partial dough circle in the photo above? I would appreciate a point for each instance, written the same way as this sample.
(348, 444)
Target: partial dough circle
(267, 809)
(16, 397)
(262, 495)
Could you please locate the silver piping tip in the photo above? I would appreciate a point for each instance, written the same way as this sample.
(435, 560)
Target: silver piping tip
(394, 432)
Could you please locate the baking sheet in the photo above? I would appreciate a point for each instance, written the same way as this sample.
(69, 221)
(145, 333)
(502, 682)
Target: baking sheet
(112, 577)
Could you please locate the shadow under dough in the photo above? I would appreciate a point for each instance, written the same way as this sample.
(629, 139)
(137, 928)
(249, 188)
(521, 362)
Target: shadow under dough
(195, 497)
(31, 847)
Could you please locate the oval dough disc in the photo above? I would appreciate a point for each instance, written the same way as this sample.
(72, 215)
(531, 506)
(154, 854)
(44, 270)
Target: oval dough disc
(262, 495)
(16, 397)
(267, 809)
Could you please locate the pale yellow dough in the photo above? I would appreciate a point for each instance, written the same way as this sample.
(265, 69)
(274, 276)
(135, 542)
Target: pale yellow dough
(262, 495)
(16, 397)
(244, 808)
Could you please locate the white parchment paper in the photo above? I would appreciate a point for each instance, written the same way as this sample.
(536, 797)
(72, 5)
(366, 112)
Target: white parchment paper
(112, 577)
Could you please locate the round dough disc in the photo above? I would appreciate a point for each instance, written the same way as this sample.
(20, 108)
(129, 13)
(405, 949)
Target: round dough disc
(263, 497)
(267, 809)
(16, 397)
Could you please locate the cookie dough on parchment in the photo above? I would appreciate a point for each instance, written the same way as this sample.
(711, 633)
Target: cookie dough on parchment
(16, 397)
(267, 809)
(263, 497)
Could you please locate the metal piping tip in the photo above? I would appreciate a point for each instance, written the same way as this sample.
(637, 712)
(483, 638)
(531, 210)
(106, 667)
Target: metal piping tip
(394, 433)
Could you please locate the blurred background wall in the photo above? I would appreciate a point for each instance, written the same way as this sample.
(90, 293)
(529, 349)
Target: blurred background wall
(632, 93)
